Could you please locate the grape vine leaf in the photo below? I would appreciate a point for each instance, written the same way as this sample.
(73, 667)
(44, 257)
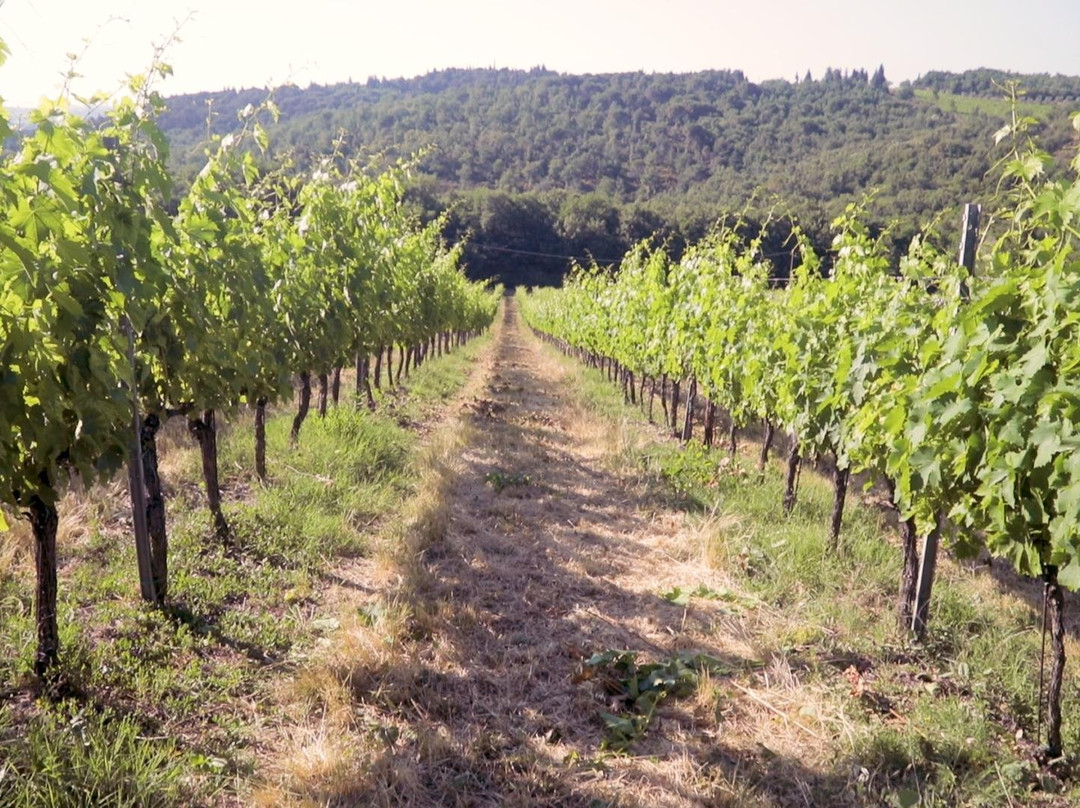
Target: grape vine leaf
(1069, 576)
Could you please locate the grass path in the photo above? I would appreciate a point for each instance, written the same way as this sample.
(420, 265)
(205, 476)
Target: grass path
(551, 557)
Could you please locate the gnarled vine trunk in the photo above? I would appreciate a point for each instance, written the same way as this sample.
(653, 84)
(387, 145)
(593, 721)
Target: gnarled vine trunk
(791, 483)
(303, 406)
(401, 364)
(710, 422)
(260, 437)
(674, 404)
(766, 444)
(663, 397)
(909, 574)
(44, 521)
(323, 397)
(335, 386)
(205, 431)
(363, 380)
(688, 421)
(840, 482)
(155, 506)
(360, 377)
(1055, 614)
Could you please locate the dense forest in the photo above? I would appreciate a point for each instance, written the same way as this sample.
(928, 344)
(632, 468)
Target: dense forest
(540, 166)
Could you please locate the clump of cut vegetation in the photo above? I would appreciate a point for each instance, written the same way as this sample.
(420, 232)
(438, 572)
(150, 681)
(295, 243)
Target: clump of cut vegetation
(503, 479)
(640, 687)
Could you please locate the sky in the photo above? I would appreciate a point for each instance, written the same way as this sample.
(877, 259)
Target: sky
(241, 43)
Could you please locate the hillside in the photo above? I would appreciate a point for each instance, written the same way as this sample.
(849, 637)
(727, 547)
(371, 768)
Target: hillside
(560, 165)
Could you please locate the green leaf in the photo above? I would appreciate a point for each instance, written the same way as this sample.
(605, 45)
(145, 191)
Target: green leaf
(957, 408)
(677, 596)
(1034, 360)
(261, 138)
(947, 384)
(1069, 575)
(1047, 438)
(67, 302)
(894, 420)
(907, 798)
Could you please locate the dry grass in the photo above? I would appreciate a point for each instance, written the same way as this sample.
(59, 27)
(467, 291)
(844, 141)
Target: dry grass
(16, 548)
(175, 461)
(426, 516)
(79, 515)
(339, 746)
(322, 755)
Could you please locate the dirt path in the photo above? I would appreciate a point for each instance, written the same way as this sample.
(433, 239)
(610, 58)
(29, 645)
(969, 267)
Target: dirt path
(552, 556)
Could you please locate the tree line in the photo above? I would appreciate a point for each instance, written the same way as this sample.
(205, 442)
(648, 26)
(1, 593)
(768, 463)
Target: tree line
(593, 161)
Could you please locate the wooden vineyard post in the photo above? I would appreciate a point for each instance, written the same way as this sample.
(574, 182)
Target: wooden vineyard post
(920, 614)
(137, 482)
(688, 421)
(924, 584)
(969, 240)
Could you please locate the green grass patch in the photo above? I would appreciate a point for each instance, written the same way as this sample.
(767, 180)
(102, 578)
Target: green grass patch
(993, 107)
(439, 380)
(69, 758)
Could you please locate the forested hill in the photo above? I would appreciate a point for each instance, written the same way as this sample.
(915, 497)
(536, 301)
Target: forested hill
(551, 165)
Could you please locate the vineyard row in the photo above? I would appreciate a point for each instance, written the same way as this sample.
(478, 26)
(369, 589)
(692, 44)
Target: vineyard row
(120, 309)
(960, 391)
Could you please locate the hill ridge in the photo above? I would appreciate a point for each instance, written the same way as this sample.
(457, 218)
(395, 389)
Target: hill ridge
(576, 164)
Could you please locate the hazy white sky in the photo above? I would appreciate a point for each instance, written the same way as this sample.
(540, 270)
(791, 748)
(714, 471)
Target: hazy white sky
(240, 43)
